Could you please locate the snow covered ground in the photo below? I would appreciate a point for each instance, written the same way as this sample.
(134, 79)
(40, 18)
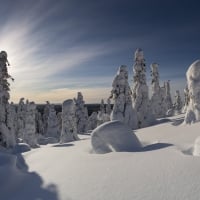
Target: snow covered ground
(165, 169)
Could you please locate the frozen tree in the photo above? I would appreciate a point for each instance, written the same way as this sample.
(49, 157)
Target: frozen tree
(39, 123)
(178, 103)
(108, 107)
(53, 125)
(46, 115)
(141, 102)
(81, 114)
(11, 124)
(186, 99)
(29, 136)
(168, 98)
(193, 83)
(6, 137)
(121, 94)
(102, 115)
(69, 123)
(59, 116)
(21, 114)
(158, 103)
(92, 121)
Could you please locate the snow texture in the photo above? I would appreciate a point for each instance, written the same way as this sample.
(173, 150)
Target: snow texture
(114, 136)
(193, 81)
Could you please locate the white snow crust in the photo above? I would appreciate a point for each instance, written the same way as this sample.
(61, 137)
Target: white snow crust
(164, 169)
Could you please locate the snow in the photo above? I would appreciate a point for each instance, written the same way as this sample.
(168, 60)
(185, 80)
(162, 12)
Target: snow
(196, 151)
(164, 168)
(114, 136)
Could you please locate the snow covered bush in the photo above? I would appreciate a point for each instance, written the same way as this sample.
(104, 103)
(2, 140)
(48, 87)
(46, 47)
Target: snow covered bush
(121, 94)
(193, 81)
(114, 136)
(69, 124)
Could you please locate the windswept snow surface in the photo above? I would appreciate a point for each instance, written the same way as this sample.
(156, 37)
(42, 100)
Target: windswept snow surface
(164, 169)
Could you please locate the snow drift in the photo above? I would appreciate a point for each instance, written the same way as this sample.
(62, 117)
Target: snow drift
(114, 136)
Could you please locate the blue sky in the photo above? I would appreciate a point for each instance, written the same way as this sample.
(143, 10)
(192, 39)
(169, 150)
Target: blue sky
(57, 48)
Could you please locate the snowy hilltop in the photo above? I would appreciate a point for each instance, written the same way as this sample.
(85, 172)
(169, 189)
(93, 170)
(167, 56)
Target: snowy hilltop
(116, 152)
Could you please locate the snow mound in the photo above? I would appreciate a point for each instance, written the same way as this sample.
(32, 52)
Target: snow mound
(114, 136)
(196, 151)
(193, 72)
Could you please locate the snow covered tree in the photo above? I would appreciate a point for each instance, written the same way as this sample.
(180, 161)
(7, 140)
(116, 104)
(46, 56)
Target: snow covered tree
(59, 116)
(178, 103)
(21, 114)
(193, 81)
(108, 107)
(53, 125)
(6, 137)
(102, 116)
(186, 99)
(11, 124)
(46, 115)
(141, 102)
(121, 94)
(29, 136)
(92, 121)
(81, 114)
(158, 103)
(39, 123)
(168, 98)
(69, 123)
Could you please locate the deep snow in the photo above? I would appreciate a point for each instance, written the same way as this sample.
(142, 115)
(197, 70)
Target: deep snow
(164, 169)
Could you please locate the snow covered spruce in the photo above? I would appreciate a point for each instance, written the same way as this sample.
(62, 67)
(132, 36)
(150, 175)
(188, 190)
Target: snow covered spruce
(7, 135)
(121, 94)
(81, 113)
(193, 80)
(140, 95)
(69, 122)
(158, 100)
